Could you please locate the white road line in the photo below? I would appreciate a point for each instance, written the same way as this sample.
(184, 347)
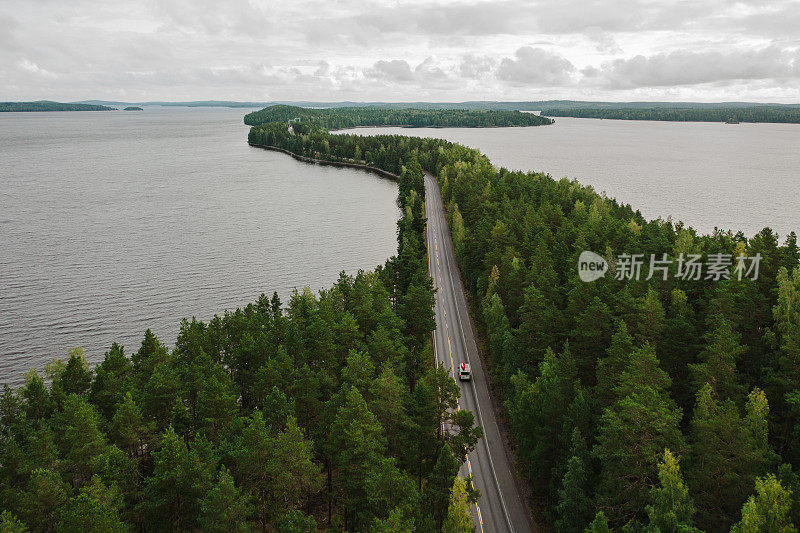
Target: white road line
(475, 395)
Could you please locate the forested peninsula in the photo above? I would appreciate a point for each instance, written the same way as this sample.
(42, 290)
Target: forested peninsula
(50, 106)
(352, 117)
(787, 114)
(326, 413)
(636, 404)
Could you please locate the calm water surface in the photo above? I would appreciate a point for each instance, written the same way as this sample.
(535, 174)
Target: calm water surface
(740, 177)
(113, 222)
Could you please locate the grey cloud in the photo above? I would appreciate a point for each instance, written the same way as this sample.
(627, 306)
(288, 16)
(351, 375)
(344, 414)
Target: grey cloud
(685, 67)
(427, 74)
(479, 18)
(215, 17)
(535, 66)
(475, 67)
(515, 17)
(7, 27)
(371, 49)
(397, 70)
(603, 40)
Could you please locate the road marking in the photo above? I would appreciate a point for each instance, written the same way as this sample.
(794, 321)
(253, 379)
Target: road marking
(474, 393)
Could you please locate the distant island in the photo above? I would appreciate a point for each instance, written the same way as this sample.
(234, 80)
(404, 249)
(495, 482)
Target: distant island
(45, 105)
(728, 115)
(352, 117)
(133, 108)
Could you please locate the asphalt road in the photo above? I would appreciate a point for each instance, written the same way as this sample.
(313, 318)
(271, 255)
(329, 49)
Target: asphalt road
(500, 507)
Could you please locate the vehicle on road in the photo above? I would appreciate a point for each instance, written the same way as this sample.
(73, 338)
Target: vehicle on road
(465, 373)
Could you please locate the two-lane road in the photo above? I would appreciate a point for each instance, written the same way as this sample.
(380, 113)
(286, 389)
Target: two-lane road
(501, 507)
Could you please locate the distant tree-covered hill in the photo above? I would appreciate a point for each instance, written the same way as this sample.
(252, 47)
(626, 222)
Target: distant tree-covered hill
(788, 114)
(350, 117)
(50, 106)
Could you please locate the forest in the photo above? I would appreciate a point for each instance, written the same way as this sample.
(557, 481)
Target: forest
(323, 414)
(635, 405)
(762, 113)
(351, 117)
(50, 106)
(662, 404)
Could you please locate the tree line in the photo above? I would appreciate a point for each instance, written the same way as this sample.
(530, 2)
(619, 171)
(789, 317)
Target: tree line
(50, 106)
(351, 117)
(326, 413)
(678, 114)
(636, 405)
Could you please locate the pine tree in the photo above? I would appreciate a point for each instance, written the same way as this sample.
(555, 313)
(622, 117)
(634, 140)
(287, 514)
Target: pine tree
(593, 330)
(784, 375)
(632, 436)
(160, 393)
(95, 508)
(649, 322)
(127, 428)
(416, 309)
(540, 322)
(225, 508)
(79, 438)
(180, 479)
(278, 471)
(672, 508)
(537, 411)
(611, 367)
(388, 488)
(358, 443)
(445, 393)
(440, 483)
(421, 435)
(719, 358)
(112, 381)
(217, 402)
(150, 352)
(679, 347)
(76, 377)
(574, 507)
(41, 504)
(295, 521)
(724, 461)
(389, 396)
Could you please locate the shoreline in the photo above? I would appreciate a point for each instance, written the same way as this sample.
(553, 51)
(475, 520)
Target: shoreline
(318, 161)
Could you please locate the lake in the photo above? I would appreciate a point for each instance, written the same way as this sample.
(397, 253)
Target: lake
(740, 177)
(115, 222)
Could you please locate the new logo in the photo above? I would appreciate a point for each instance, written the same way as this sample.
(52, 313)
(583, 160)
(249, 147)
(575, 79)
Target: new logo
(591, 266)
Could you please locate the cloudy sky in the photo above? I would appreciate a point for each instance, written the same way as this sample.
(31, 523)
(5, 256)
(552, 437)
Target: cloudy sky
(400, 51)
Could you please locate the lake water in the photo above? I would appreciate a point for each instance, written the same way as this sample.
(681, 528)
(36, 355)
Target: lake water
(740, 177)
(113, 222)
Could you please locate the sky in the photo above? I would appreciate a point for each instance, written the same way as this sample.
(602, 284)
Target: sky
(362, 50)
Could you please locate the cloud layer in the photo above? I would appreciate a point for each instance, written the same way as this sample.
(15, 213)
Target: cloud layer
(391, 51)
